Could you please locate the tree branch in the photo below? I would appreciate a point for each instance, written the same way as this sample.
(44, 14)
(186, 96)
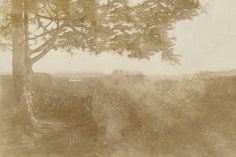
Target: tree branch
(46, 47)
(45, 44)
(41, 55)
(47, 17)
(42, 34)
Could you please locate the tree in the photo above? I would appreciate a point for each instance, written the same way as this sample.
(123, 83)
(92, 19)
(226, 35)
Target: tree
(36, 27)
(142, 31)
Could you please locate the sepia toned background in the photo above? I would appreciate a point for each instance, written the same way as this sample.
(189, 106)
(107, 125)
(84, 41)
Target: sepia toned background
(109, 105)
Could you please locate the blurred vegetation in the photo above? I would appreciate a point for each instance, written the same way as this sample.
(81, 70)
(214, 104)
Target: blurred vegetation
(126, 115)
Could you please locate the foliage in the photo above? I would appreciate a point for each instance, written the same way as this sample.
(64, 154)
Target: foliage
(115, 116)
(136, 31)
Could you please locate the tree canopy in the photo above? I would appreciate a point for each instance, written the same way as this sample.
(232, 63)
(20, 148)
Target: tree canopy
(138, 31)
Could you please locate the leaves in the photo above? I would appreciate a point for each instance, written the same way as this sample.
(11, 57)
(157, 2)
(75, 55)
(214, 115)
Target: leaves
(138, 31)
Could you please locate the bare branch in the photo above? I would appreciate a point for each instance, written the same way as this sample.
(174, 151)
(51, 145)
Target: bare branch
(42, 34)
(47, 17)
(40, 24)
(46, 47)
(52, 32)
(48, 24)
(45, 44)
(41, 55)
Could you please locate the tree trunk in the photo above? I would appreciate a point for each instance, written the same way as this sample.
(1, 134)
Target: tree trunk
(21, 66)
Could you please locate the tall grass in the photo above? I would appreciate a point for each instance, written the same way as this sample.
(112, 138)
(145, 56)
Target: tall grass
(129, 115)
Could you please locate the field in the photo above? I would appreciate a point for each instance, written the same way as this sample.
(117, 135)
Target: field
(124, 115)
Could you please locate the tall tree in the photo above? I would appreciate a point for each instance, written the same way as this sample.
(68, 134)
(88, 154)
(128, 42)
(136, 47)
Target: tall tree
(39, 26)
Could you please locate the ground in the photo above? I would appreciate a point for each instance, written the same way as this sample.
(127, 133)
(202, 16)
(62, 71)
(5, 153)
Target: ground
(124, 116)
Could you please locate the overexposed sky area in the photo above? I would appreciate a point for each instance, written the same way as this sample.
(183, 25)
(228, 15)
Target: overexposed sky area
(208, 43)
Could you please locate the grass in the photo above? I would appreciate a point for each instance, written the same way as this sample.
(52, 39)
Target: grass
(129, 115)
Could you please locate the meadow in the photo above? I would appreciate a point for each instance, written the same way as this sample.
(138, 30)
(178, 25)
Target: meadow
(125, 115)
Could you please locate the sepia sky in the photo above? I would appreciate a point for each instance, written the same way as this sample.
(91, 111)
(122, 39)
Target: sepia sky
(208, 43)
